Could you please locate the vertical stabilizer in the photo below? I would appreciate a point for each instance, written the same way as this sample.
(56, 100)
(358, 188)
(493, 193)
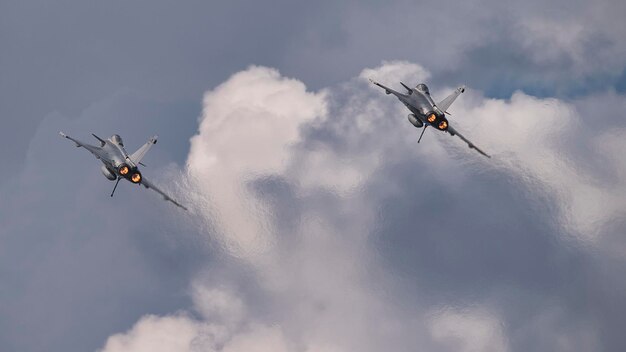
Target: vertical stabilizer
(137, 156)
(445, 104)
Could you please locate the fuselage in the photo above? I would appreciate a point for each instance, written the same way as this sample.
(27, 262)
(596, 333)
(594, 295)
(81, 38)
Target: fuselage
(116, 162)
(422, 106)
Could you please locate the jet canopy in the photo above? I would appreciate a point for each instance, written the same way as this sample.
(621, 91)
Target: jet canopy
(117, 139)
(422, 88)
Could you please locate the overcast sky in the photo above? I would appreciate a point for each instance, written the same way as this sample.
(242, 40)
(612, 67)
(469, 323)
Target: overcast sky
(316, 222)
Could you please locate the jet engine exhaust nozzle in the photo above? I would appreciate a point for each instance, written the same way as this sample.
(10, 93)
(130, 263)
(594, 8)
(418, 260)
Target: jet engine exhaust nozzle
(135, 178)
(443, 125)
(123, 170)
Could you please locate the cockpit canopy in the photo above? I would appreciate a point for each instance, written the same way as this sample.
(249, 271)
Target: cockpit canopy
(117, 139)
(422, 88)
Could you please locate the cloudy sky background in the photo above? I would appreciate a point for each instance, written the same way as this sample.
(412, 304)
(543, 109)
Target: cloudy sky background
(316, 222)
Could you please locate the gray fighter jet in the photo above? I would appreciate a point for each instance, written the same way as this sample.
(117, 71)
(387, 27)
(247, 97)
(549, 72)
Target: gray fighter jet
(425, 112)
(118, 164)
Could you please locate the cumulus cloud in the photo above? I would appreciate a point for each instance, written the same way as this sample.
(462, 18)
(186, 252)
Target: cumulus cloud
(530, 138)
(155, 334)
(249, 134)
(184, 333)
(248, 125)
(293, 181)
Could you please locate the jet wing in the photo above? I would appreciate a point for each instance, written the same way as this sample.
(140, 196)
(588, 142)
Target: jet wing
(96, 151)
(148, 184)
(387, 89)
(445, 104)
(471, 145)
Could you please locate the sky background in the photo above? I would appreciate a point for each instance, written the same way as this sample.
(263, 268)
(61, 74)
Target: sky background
(316, 222)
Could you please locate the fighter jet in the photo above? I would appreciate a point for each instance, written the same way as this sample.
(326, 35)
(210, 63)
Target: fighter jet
(425, 112)
(118, 164)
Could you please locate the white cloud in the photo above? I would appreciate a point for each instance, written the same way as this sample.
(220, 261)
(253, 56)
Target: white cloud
(156, 334)
(220, 329)
(181, 333)
(261, 339)
(528, 137)
(359, 119)
(396, 71)
(247, 127)
(218, 304)
(322, 284)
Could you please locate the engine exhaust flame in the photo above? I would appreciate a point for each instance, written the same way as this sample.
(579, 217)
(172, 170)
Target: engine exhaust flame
(136, 178)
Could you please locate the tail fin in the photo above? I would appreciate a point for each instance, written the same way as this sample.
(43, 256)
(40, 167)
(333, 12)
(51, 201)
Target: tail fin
(445, 104)
(141, 152)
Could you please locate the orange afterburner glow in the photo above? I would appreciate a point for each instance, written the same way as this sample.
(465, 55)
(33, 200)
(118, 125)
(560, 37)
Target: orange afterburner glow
(136, 178)
(443, 125)
(124, 170)
(431, 118)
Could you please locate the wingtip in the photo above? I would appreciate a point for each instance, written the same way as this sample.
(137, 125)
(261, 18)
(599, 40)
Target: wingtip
(180, 205)
(485, 154)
